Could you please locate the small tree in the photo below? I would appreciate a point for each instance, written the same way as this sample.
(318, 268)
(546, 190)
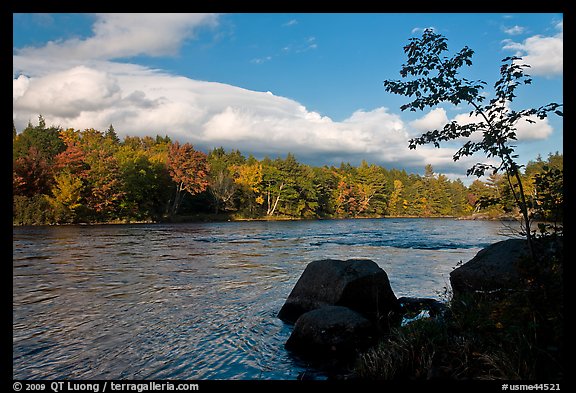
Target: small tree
(434, 79)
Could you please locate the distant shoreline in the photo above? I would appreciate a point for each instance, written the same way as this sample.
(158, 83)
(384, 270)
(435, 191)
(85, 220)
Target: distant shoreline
(209, 218)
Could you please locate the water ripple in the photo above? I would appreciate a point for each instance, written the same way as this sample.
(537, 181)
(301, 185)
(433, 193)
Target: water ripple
(198, 301)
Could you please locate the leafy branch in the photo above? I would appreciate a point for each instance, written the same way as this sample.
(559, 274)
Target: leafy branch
(434, 78)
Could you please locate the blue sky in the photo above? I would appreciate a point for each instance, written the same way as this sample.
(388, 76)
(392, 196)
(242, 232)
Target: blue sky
(269, 84)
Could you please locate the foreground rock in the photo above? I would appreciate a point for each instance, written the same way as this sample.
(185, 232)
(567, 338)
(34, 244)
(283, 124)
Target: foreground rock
(359, 284)
(415, 305)
(331, 331)
(494, 268)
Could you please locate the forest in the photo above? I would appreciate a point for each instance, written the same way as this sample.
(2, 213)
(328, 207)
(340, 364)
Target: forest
(65, 176)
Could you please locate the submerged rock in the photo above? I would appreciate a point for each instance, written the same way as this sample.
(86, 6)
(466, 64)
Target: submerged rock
(359, 284)
(415, 305)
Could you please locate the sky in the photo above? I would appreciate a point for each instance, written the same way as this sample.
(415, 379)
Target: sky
(310, 84)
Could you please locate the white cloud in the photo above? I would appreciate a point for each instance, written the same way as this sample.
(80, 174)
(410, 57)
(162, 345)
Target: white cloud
(540, 129)
(421, 29)
(525, 131)
(260, 60)
(67, 93)
(20, 85)
(124, 35)
(140, 101)
(433, 120)
(514, 30)
(291, 22)
(544, 54)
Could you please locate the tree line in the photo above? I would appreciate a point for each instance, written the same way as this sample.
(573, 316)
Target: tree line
(72, 176)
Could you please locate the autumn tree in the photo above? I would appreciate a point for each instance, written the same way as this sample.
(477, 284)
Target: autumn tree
(394, 207)
(346, 200)
(545, 179)
(33, 152)
(66, 197)
(31, 174)
(94, 177)
(434, 79)
(70, 178)
(221, 184)
(372, 189)
(106, 191)
(188, 168)
(248, 178)
(73, 158)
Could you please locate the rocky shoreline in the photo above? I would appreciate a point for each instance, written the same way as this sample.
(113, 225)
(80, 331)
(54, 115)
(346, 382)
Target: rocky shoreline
(343, 309)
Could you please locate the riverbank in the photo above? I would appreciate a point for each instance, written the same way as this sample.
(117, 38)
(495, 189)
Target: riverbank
(223, 217)
(497, 335)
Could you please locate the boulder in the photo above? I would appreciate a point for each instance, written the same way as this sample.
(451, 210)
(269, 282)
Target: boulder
(331, 332)
(494, 268)
(358, 284)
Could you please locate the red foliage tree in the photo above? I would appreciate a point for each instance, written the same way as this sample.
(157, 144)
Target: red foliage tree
(31, 174)
(72, 160)
(188, 168)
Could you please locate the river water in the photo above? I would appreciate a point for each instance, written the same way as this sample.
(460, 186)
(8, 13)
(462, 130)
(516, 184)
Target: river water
(199, 300)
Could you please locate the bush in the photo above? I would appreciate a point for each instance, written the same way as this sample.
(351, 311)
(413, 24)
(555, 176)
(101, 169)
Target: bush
(34, 210)
(512, 335)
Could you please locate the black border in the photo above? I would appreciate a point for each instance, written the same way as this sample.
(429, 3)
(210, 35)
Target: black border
(374, 6)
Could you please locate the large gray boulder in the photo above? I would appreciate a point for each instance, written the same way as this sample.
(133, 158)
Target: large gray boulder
(359, 284)
(494, 268)
(331, 331)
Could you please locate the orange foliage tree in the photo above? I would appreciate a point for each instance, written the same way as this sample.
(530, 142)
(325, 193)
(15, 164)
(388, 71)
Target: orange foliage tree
(188, 168)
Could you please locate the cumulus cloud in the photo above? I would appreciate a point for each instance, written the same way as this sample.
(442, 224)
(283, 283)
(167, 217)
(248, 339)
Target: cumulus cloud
(434, 119)
(544, 54)
(20, 85)
(540, 129)
(537, 129)
(67, 93)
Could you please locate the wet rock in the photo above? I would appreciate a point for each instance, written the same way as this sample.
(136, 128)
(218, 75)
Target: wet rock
(331, 332)
(415, 305)
(359, 284)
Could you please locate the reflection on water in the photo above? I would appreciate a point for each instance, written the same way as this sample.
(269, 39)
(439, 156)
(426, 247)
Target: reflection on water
(199, 301)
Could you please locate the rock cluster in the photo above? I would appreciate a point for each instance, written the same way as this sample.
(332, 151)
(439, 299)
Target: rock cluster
(339, 306)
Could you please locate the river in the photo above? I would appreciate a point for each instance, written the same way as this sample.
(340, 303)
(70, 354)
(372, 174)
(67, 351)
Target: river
(199, 300)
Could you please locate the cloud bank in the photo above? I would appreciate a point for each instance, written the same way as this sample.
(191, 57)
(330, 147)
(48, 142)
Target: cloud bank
(544, 54)
(80, 83)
